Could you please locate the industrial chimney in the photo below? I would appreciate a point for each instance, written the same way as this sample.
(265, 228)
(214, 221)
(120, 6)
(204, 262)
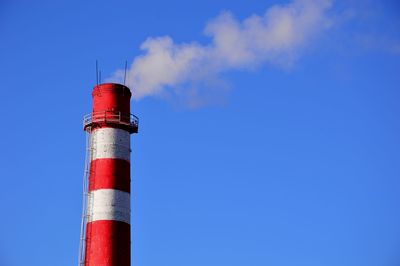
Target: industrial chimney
(105, 231)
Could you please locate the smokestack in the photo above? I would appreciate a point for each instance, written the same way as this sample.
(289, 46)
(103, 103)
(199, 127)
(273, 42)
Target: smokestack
(105, 238)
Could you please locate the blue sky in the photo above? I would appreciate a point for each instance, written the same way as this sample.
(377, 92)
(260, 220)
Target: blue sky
(288, 159)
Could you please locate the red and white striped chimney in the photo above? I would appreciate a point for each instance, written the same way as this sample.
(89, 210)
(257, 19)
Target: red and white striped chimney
(108, 234)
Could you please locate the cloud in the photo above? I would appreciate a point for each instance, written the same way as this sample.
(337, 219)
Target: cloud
(277, 37)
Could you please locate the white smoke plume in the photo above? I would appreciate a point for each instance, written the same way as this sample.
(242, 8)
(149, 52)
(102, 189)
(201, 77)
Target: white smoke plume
(277, 37)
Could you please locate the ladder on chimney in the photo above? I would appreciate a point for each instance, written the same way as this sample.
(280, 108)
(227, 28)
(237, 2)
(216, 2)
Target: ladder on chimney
(85, 199)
